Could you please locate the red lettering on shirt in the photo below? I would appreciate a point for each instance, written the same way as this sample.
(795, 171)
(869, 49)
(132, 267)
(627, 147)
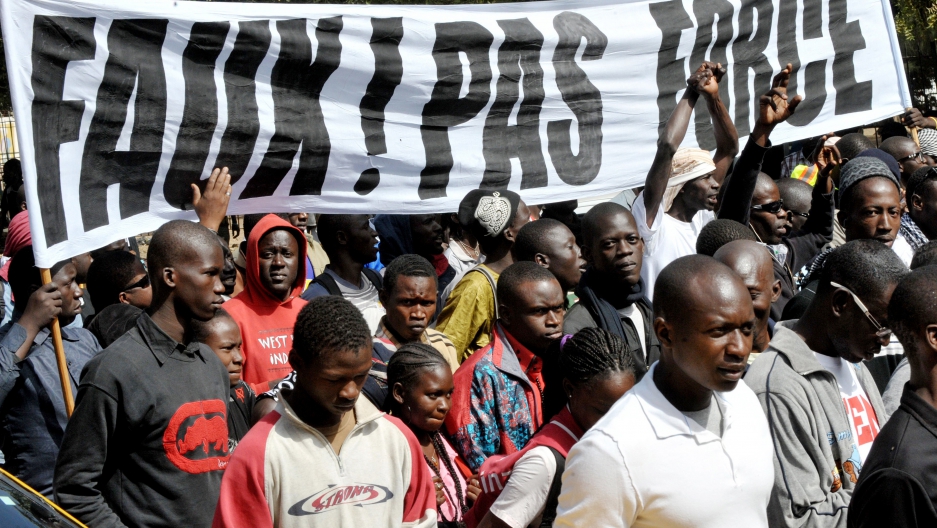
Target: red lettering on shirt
(863, 418)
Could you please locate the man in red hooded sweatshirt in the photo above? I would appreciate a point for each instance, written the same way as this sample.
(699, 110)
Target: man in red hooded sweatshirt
(267, 308)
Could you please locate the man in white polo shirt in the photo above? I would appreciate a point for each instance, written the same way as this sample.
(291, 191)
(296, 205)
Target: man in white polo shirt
(689, 445)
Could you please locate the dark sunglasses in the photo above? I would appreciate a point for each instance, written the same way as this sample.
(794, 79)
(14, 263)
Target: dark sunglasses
(142, 283)
(771, 207)
(802, 215)
(916, 156)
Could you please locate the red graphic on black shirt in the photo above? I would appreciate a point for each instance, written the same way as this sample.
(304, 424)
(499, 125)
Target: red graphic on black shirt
(239, 392)
(196, 439)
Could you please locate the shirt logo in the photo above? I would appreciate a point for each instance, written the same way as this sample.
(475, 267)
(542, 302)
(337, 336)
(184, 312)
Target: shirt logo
(357, 494)
(196, 439)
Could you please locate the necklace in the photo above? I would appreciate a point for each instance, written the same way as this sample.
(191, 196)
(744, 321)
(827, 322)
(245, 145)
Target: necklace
(472, 252)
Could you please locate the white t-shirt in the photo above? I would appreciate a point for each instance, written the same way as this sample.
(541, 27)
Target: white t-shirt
(858, 408)
(637, 320)
(902, 248)
(365, 299)
(666, 241)
(525, 494)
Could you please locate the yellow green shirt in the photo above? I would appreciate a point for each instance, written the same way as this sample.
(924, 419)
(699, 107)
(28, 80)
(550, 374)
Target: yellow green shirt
(469, 315)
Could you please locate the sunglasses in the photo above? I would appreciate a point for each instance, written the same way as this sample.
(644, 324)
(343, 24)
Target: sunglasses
(880, 331)
(770, 207)
(917, 156)
(142, 283)
(802, 215)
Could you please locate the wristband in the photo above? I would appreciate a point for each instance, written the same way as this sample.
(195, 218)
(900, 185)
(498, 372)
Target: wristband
(934, 119)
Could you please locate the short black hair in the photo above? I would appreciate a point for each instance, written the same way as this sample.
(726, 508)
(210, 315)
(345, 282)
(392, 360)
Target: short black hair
(329, 324)
(895, 145)
(406, 365)
(925, 255)
(673, 282)
(913, 306)
(202, 329)
(851, 145)
(251, 221)
(794, 190)
(408, 265)
(720, 232)
(891, 129)
(867, 267)
(919, 178)
(108, 276)
(590, 220)
(24, 277)
(512, 280)
(173, 244)
(328, 227)
(532, 237)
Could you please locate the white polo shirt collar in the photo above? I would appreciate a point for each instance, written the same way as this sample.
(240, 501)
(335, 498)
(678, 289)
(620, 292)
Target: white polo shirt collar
(668, 421)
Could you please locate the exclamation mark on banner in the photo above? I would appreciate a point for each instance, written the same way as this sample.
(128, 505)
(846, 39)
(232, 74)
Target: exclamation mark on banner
(388, 71)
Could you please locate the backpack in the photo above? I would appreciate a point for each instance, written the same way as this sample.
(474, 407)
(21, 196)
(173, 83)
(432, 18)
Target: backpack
(327, 281)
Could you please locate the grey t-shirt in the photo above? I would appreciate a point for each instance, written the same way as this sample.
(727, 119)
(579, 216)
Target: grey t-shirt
(709, 418)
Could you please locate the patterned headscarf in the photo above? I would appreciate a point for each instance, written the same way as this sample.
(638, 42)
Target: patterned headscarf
(928, 139)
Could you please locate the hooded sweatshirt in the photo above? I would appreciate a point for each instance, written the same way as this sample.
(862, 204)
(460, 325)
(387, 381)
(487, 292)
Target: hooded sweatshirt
(265, 321)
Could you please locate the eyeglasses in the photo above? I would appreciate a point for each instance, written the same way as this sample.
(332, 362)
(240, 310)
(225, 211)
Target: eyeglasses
(917, 156)
(770, 207)
(802, 215)
(142, 283)
(880, 331)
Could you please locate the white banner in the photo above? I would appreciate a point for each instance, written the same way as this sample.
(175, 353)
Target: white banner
(122, 104)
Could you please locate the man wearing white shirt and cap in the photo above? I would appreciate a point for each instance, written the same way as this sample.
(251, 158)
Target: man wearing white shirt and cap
(682, 186)
(689, 445)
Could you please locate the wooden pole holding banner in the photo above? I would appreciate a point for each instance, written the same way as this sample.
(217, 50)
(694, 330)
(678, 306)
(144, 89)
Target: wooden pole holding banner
(914, 132)
(60, 354)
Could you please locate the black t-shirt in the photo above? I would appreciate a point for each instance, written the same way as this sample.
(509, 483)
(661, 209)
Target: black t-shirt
(241, 401)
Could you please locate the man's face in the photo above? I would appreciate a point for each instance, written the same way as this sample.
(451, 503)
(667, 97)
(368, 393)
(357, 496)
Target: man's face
(426, 231)
(711, 338)
(617, 249)
(197, 282)
(82, 263)
(536, 317)
(771, 227)
(764, 289)
(565, 258)
(71, 293)
(229, 274)
(923, 208)
(225, 341)
(278, 256)
(702, 193)
(333, 381)
(854, 335)
(299, 220)
(410, 306)
(798, 208)
(874, 212)
(910, 158)
(360, 239)
(138, 292)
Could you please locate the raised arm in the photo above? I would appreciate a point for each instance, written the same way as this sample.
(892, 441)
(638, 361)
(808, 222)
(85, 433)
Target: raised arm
(727, 137)
(667, 144)
(212, 205)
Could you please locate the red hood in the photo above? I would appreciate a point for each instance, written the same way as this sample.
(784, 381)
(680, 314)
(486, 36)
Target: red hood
(254, 292)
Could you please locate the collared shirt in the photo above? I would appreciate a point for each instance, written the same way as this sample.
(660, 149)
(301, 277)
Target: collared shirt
(438, 340)
(31, 401)
(469, 316)
(645, 464)
(148, 441)
(533, 367)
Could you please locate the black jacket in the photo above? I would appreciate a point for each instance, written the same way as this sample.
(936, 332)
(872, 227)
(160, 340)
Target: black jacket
(802, 245)
(898, 483)
(148, 441)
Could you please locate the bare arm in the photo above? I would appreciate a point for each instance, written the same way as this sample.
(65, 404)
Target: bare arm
(727, 137)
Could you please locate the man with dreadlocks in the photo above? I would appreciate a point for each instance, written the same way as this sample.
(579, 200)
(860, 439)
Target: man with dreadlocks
(594, 369)
(325, 456)
(421, 390)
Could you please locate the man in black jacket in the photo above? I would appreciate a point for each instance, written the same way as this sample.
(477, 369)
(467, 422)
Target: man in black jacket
(897, 483)
(148, 441)
(752, 198)
(612, 294)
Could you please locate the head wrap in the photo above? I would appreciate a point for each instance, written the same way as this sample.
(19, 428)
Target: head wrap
(488, 213)
(688, 164)
(928, 139)
(18, 237)
(885, 157)
(863, 168)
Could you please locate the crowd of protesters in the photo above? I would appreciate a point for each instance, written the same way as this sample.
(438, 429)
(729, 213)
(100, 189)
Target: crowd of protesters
(731, 349)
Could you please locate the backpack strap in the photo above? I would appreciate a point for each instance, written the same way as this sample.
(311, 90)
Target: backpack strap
(553, 497)
(491, 282)
(328, 282)
(375, 278)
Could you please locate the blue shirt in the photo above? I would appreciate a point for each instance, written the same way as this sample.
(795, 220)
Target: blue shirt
(32, 406)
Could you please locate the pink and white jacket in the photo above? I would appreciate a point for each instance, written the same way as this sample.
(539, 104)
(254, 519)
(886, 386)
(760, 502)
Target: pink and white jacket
(286, 474)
